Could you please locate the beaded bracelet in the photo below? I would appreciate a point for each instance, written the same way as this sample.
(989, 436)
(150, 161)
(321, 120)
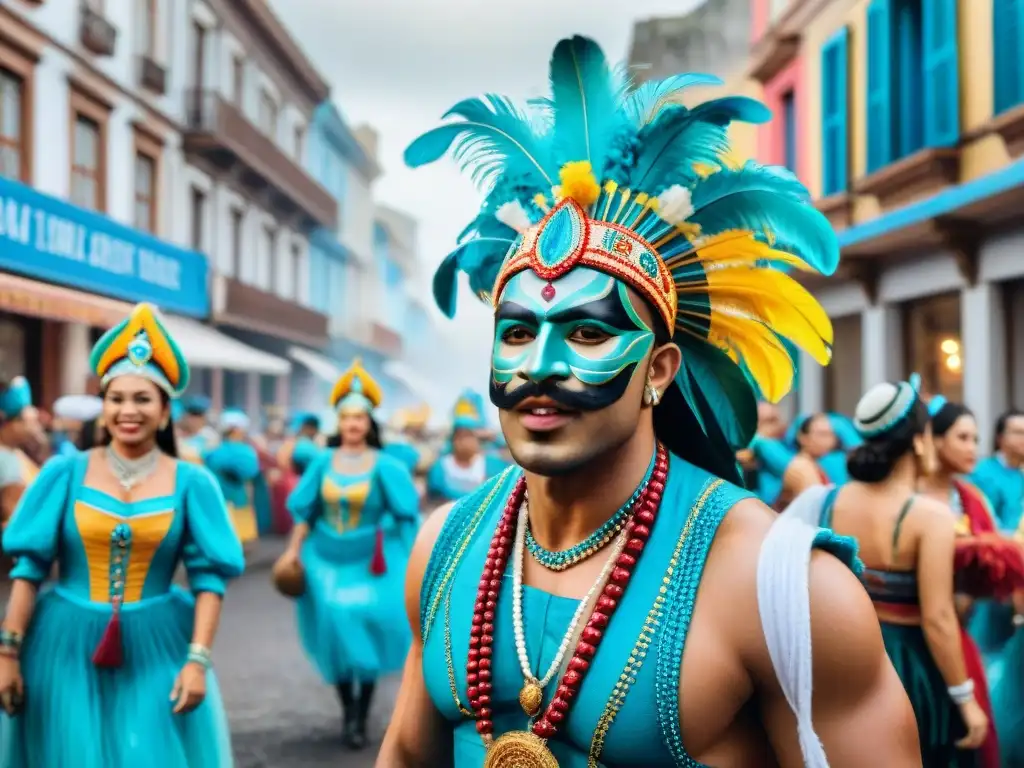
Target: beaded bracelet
(199, 654)
(10, 643)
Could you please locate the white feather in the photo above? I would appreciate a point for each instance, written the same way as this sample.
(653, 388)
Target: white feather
(675, 204)
(512, 214)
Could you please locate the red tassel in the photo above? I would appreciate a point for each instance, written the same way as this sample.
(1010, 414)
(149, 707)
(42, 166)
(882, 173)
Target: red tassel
(109, 653)
(378, 566)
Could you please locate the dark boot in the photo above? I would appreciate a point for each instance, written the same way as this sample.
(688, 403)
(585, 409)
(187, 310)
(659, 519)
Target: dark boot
(359, 739)
(347, 696)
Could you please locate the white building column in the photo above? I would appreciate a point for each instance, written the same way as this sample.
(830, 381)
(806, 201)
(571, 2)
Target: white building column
(75, 349)
(811, 396)
(881, 345)
(984, 344)
(252, 397)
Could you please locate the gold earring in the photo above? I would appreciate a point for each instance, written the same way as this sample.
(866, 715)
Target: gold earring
(164, 423)
(651, 395)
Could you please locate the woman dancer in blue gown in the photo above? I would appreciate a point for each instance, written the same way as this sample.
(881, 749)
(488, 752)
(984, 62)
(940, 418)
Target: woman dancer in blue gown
(110, 668)
(356, 515)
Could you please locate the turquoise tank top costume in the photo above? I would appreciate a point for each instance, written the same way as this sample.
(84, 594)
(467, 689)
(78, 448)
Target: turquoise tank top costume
(107, 641)
(599, 193)
(362, 528)
(447, 479)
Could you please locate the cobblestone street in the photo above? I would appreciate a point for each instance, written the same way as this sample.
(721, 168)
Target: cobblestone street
(281, 715)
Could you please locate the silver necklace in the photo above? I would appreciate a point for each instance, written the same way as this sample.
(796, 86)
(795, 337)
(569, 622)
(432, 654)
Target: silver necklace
(131, 472)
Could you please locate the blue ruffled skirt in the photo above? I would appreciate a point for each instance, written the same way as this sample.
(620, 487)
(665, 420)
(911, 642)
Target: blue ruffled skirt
(77, 715)
(352, 623)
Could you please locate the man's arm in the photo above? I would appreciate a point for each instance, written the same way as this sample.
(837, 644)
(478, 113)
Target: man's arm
(417, 736)
(861, 711)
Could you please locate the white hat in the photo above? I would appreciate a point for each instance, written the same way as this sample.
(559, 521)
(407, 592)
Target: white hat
(234, 419)
(78, 407)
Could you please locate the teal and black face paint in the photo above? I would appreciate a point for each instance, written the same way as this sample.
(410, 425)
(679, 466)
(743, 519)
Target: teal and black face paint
(576, 340)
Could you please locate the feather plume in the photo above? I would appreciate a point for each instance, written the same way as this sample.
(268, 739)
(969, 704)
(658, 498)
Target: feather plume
(769, 201)
(512, 214)
(675, 204)
(586, 94)
(493, 138)
(717, 391)
(645, 103)
(670, 147)
(732, 109)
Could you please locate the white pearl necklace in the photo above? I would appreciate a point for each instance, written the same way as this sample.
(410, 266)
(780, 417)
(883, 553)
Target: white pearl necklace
(519, 555)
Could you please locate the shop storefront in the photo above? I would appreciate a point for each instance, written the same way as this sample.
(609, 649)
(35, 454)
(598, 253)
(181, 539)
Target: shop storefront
(933, 345)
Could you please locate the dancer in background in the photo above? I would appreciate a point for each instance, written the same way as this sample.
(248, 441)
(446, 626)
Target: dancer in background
(197, 434)
(236, 465)
(907, 543)
(112, 667)
(17, 471)
(465, 466)
(71, 415)
(987, 565)
(764, 461)
(356, 515)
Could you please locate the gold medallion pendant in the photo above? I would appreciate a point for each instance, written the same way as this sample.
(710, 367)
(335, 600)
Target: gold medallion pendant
(531, 696)
(519, 749)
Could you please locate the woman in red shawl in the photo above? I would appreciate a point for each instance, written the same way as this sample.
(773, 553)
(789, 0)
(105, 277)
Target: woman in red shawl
(987, 564)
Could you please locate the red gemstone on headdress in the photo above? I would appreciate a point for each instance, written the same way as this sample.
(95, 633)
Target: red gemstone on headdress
(547, 292)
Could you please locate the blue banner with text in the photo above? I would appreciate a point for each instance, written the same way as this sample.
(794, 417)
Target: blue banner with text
(47, 238)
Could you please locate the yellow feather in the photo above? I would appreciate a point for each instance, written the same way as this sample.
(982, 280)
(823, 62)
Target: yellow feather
(763, 354)
(579, 183)
(734, 247)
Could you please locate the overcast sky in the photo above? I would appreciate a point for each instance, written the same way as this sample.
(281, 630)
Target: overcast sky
(400, 64)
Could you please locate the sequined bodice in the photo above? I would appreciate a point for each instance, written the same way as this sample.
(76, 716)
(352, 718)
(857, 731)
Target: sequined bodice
(627, 710)
(113, 548)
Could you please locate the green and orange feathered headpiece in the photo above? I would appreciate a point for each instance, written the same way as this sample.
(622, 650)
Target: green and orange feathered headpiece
(140, 345)
(627, 181)
(356, 390)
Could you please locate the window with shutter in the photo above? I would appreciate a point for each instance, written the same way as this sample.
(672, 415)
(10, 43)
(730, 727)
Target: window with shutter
(880, 77)
(1008, 51)
(834, 117)
(941, 65)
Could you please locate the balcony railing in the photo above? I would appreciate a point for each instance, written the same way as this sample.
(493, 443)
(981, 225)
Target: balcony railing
(218, 130)
(244, 306)
(96, 34)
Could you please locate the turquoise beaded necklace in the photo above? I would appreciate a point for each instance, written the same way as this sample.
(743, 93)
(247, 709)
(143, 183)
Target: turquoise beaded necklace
(595, 542)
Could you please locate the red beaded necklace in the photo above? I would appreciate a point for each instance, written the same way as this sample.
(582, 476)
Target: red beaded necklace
(481, 636)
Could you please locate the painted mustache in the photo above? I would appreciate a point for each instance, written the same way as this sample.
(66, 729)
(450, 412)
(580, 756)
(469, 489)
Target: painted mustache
(589, 398)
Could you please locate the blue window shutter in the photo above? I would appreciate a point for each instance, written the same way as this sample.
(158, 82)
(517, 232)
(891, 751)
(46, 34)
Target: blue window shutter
(1008, 52)
(941, 60)
(835, 113)
(880, 75)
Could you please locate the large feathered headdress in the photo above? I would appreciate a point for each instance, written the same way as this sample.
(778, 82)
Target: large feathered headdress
(627, 181)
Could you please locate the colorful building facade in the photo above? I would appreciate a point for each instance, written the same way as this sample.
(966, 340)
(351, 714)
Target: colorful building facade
(908, 128)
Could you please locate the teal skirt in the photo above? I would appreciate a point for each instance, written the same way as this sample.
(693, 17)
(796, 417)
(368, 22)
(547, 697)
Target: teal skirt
(78, 715)
(939, 724)
(352, 623)
(1007, 675)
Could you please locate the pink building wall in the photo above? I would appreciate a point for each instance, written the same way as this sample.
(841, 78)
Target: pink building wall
(758, 19)
(771, 138)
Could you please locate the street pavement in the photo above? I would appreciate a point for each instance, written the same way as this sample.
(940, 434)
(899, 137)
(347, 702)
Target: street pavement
(282, 715)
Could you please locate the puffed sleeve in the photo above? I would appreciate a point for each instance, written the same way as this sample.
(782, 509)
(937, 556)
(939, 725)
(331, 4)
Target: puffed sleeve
(436, 485)
(211, 552)
(33, 534)
(304, 502)
(399, 488)
(236, 459)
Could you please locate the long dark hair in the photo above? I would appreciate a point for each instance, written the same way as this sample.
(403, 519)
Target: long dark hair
(947, 416)
(166, 440)
(875, 459)
(372, 436)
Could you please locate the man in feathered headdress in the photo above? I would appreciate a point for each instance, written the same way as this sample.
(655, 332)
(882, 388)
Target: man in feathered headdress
(620, 599)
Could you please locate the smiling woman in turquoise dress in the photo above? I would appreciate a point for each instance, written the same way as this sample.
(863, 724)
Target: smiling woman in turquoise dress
(111, 667)
(356, 513)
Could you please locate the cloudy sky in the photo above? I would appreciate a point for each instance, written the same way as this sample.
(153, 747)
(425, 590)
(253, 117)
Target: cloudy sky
(399, 65)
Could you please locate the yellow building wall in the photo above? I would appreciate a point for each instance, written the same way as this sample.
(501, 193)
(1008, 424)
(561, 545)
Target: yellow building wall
(980, 156)
(742, 136)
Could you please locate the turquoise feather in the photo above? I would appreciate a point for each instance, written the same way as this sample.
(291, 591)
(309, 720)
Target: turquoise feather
(480, 258)
(730, 400)
(646, 102)
(767, 200)
(671, 146)
(586, 95)
(732, 109)
(494, 138)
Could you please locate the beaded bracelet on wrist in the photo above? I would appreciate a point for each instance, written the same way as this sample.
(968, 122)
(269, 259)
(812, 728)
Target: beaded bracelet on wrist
(199, 654)
(10, 643)
(595, 542)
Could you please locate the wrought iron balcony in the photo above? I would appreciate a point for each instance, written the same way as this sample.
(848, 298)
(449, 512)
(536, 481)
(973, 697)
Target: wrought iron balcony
(218, 131)
(96, 33)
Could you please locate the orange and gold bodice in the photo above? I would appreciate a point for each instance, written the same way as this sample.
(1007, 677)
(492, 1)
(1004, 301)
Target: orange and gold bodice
(350, 501)
(111, 548)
